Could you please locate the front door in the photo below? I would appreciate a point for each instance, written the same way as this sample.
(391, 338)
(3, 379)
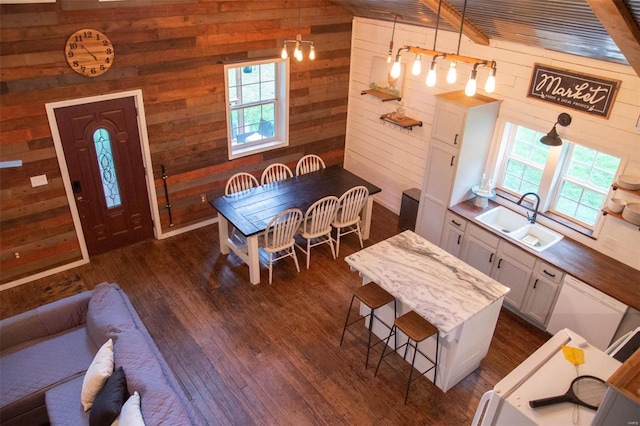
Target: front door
(101, 144)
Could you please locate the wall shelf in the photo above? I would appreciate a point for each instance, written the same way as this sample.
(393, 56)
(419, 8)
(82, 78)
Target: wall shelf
(607, 212)
(383, 96)
(405, 123)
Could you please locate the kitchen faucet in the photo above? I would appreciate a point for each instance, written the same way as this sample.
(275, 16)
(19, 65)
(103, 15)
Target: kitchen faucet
(531, 218)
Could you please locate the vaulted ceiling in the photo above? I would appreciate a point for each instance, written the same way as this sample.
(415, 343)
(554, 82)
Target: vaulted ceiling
(608, 30)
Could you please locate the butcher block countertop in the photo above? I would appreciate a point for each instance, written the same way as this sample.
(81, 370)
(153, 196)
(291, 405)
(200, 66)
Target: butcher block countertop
(600, 271)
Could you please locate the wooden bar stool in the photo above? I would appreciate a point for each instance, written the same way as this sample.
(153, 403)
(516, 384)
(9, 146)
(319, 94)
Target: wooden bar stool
(374, 297)
(416, 329)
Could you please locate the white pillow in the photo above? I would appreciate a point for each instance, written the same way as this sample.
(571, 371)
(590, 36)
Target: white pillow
(130, 415)
(99, 371)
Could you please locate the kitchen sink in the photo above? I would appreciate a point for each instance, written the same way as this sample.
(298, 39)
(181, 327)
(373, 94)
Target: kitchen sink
(502, 219)
(517, 228)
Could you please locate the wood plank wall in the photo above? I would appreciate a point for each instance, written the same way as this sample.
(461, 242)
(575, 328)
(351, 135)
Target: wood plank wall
(173, 52)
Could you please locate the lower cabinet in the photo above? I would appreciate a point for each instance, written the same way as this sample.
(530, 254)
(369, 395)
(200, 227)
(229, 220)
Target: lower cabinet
(453, 234)
(542, 292)
(534, 284)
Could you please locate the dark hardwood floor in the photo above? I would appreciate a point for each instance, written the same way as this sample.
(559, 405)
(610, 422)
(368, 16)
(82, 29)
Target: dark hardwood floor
(270, 354)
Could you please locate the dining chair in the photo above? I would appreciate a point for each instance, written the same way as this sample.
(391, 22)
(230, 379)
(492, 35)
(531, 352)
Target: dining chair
(348, 217)
(236, 183)
(240, 182)
(316, 225)
(278, 238)
(275, 172)
(309, 163)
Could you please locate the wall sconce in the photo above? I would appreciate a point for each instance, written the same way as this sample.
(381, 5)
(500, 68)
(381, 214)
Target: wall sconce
(553, 138)
(297, 52)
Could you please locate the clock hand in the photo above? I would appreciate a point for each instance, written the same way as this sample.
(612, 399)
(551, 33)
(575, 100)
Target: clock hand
(94, 56)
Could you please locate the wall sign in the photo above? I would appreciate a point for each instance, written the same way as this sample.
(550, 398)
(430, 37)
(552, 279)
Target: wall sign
(583, 92)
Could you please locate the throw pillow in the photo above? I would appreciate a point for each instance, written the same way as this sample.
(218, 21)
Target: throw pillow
(99, 371)
(130, 415)
(106, 407)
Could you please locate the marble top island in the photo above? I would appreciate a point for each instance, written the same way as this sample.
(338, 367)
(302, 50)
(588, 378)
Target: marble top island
(460, 301)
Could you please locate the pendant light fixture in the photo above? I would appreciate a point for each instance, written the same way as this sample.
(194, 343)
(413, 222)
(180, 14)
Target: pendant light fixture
(393, 33)
(471, 87)
(553, 138)
(297, 52)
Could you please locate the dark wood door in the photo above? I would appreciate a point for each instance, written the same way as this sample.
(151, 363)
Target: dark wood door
(101, 145)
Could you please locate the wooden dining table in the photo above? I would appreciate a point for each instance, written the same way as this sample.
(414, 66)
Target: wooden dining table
(251, 210)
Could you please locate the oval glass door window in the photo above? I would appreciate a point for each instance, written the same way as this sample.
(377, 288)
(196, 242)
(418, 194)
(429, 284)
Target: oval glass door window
(102, 141)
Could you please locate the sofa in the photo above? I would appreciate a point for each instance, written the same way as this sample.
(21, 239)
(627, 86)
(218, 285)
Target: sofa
(44, 354)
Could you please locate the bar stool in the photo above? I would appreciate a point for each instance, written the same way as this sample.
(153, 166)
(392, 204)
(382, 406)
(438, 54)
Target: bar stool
(416, 329)
(374, 297)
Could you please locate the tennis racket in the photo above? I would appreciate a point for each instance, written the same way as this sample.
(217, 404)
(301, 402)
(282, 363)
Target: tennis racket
(584, 390)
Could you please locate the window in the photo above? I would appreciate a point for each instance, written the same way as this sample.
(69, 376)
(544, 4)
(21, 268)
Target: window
(257, 106)
(104, 153)
(572, 182)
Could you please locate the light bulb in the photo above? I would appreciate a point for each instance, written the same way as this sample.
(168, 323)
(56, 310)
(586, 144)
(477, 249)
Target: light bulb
(284, 54)
(396, 68)
(451, 75)
(470, 90)
(431, 75)
(312, 53)
(417, 65)
(389, 56)
(297, 53)
(490, 84)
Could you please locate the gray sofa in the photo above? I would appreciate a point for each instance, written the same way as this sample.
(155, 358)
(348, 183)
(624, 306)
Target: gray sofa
(45, 352)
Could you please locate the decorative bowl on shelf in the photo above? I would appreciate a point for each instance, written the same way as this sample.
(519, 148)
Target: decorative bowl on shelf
(629, 182)
(631, 213)
(616, 205)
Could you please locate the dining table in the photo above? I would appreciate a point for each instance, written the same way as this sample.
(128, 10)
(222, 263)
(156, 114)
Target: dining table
(250, 211)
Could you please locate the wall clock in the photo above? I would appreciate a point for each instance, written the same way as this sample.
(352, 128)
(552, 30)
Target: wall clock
(89, 52)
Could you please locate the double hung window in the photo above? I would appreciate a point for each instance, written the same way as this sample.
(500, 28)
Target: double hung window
(257, 106)
(572, 182)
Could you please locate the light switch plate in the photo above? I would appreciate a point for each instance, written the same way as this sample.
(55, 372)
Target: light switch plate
(39, 180)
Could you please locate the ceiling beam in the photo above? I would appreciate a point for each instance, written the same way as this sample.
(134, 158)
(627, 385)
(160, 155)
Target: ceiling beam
(617, 20)
(454, 18)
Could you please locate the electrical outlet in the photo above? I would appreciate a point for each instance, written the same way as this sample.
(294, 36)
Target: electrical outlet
(17, 255)
(203, 198)
(610, 243)
(39, 180)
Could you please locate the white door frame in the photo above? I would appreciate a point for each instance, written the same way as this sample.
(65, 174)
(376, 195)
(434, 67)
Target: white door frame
(146, 159)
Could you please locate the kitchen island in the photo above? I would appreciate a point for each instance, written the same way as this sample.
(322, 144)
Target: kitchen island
(460, 301)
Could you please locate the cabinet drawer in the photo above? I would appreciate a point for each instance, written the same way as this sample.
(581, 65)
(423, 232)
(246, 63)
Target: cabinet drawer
(455, 221)
(484, 236)
(509, 250)
(548, 272)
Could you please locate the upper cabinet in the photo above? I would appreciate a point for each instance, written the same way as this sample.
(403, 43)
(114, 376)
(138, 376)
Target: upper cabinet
(461, 136)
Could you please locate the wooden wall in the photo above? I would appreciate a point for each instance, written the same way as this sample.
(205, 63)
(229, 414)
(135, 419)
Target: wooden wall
(172, 51)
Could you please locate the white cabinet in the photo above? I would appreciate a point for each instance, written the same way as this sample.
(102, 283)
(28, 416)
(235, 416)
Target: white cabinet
(514, 269)
(461, 135)
(479, 248)
(533, 283)
(542, 292)
(453, 233)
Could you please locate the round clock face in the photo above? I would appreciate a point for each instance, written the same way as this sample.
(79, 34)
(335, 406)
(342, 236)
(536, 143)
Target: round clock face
(89, 52)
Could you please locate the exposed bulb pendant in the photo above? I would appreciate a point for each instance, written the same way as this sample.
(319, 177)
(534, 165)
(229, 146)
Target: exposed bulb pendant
(417, 66)
(393, 32)
(470, 89)
(490, 84)
(452, 75)
(396, 69)
(297, 53)
(431, 75)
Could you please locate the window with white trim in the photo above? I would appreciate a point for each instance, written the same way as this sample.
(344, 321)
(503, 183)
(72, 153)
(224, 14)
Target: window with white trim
(257, 106)
(572, 183)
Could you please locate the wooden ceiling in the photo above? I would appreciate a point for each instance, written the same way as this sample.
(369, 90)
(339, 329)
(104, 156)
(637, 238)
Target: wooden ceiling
(607, 30)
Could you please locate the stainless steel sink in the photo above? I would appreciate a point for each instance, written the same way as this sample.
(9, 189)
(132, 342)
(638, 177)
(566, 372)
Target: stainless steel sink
(517, 228)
